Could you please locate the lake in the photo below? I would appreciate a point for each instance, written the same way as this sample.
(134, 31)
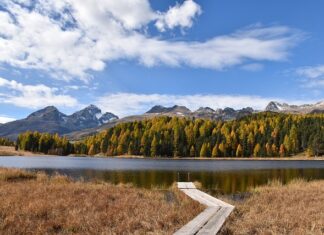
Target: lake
(220, 176)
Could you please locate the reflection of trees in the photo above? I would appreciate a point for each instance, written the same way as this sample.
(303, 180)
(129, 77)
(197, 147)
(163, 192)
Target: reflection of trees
(221, 181)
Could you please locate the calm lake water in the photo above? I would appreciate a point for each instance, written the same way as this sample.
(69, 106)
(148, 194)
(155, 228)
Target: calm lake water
(221, 176)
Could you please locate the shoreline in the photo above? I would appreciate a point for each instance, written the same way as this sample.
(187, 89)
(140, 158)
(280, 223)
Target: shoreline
(10, 151)
(6, 151)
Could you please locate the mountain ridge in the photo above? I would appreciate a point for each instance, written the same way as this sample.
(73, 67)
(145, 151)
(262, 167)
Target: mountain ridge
(50, 119)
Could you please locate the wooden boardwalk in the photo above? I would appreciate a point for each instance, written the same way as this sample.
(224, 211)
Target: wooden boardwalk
(211, 219)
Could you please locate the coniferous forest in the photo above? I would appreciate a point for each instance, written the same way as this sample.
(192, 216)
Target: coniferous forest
(259, 135)
(6, 142)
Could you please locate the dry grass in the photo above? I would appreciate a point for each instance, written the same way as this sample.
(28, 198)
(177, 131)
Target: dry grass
(15, 174)
(296, 208)
(10, 151)
(43, 205)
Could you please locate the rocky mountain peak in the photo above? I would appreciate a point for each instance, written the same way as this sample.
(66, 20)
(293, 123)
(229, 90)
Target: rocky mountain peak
(179, 109)
(176, 109)
(205, 110)
(49, 113)
(157, 109)
(273, 106)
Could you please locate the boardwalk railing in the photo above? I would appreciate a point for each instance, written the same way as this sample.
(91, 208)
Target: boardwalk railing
(211, 219)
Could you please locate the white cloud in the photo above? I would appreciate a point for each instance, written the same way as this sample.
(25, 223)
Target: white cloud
(33, 96)
(124, 104)
(5, 119)
(71, 38)
(314, 76)
(179, 16)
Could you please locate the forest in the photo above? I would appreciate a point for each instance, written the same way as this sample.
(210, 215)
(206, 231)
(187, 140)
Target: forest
(46, 143)
(6, 142)
(259, 135)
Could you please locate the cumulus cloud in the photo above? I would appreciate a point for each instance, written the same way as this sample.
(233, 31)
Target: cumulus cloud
(71, 38)
(124, 104)
(179, 16)
(314, 76)
(32, 96)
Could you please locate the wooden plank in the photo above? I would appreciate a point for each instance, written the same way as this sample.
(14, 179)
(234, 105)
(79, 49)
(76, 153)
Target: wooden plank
(186, 185)
(198, 222)
(216, 222)
(212, 199)
(194, 194)
(211, 219)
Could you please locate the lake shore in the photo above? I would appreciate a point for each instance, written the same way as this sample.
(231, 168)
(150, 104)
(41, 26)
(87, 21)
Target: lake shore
(38, 204)
(294, 158)
(10, 151)
(295, 208)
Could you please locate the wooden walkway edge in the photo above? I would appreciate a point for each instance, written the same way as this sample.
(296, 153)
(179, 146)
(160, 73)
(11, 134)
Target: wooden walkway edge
(211, 219)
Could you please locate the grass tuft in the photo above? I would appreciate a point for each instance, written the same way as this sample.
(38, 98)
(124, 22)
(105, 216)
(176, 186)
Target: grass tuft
(15, 175)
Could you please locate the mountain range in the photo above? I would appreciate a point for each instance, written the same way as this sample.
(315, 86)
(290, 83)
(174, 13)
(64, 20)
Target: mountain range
(51, 120)
(91, 120)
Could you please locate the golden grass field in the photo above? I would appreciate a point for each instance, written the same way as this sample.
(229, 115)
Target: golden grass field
(296, 208)
(33, 203)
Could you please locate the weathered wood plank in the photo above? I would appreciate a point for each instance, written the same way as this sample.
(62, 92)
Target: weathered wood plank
(186, 185)
(212, 199)
(198, 222)
(216, 222)
(194, 194)
(211, 219)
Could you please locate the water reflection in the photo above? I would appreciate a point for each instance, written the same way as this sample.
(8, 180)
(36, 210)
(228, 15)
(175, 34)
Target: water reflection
(222, 181)
(224, 176)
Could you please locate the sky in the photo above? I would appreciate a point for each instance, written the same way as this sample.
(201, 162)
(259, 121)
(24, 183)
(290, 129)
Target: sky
(126, 56)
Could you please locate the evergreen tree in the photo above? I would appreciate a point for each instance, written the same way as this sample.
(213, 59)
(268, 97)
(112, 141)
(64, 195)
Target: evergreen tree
(215, 151)
(203, 150)
(154, 147)
(239, 151)
(256, 151)
(192, 151)
(282, 150)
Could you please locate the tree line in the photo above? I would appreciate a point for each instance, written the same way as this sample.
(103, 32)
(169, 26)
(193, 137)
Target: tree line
(45, 143)
(6, 142)
(259, 135)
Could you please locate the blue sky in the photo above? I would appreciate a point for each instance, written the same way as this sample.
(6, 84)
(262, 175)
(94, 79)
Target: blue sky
(126, 56)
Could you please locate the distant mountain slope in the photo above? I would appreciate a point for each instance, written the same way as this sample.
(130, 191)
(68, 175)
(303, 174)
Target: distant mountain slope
(202, 112)
(51, 120)
(178, 110)
(274, 106)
